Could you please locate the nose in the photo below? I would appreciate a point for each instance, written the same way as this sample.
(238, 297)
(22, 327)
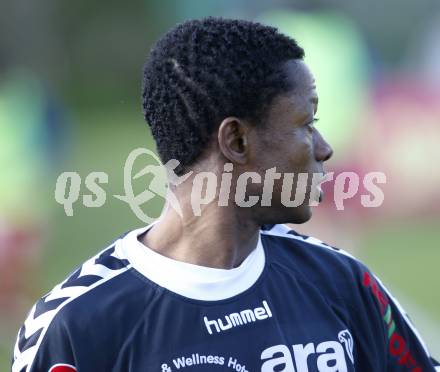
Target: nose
(323, 151)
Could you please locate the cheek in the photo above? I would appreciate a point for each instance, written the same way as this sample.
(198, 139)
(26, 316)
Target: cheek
(304, 155)
(299, 152)
(288, 151)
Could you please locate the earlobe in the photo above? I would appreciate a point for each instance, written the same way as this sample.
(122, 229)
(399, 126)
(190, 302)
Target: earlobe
(233, 140)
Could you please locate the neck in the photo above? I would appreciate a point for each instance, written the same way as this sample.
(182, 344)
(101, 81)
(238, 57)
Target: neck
(222, 237)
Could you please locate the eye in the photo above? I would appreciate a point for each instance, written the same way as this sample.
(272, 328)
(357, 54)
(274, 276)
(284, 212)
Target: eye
(311, 124)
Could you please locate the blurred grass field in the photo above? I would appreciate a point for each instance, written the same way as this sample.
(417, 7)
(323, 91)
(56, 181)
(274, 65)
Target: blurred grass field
(404, 255)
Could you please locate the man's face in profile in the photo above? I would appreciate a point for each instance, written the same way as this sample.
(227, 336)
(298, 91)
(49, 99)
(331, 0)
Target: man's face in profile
(289, 141)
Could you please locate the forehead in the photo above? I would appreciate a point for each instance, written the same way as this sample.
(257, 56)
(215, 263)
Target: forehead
(301, 80)
(299, 76)
(302, 99)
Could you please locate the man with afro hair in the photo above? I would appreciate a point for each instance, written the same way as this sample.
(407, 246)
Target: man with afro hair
(219, 283)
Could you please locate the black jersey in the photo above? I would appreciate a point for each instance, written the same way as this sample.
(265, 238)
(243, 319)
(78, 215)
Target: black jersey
(295, 305)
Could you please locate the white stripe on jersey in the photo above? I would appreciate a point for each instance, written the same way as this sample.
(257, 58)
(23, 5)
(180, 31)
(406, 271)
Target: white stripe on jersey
(27, 357)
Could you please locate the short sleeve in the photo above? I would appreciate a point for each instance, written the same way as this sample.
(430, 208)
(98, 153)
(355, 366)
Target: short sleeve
(405, 349)
(43, 344)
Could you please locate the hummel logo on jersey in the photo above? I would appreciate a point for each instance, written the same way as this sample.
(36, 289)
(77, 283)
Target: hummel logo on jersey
(238, 319)
(328, 356)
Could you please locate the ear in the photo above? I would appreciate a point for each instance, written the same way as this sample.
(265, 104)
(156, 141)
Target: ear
(233, 140)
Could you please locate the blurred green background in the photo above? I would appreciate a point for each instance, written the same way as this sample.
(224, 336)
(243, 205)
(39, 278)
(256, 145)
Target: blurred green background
(70, 81)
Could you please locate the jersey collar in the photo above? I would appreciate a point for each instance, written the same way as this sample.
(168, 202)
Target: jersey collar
(188, 280)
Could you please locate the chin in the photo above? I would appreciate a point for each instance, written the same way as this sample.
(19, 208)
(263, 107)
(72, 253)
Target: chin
(296, 216)
(300, 216)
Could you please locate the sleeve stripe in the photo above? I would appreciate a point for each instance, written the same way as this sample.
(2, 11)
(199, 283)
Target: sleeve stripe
(404, 316)
(98, 265)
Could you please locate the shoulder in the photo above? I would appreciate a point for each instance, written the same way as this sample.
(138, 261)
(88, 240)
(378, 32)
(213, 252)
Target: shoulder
(375, 315)
(290, 243)
(309, 259)
(52, 312)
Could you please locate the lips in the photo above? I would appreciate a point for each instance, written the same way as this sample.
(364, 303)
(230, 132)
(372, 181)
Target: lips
(318, 183)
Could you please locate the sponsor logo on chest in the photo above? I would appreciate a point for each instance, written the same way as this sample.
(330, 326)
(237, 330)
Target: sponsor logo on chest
(328, 356)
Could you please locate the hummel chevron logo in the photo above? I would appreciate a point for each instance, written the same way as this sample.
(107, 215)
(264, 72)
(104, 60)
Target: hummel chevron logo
(92, 273)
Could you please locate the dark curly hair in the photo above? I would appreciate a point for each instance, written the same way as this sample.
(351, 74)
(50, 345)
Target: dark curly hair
(203, 71)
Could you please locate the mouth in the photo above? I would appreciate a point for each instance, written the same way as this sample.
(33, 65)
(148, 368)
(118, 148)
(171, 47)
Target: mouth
(319, 191)
(321, 195)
